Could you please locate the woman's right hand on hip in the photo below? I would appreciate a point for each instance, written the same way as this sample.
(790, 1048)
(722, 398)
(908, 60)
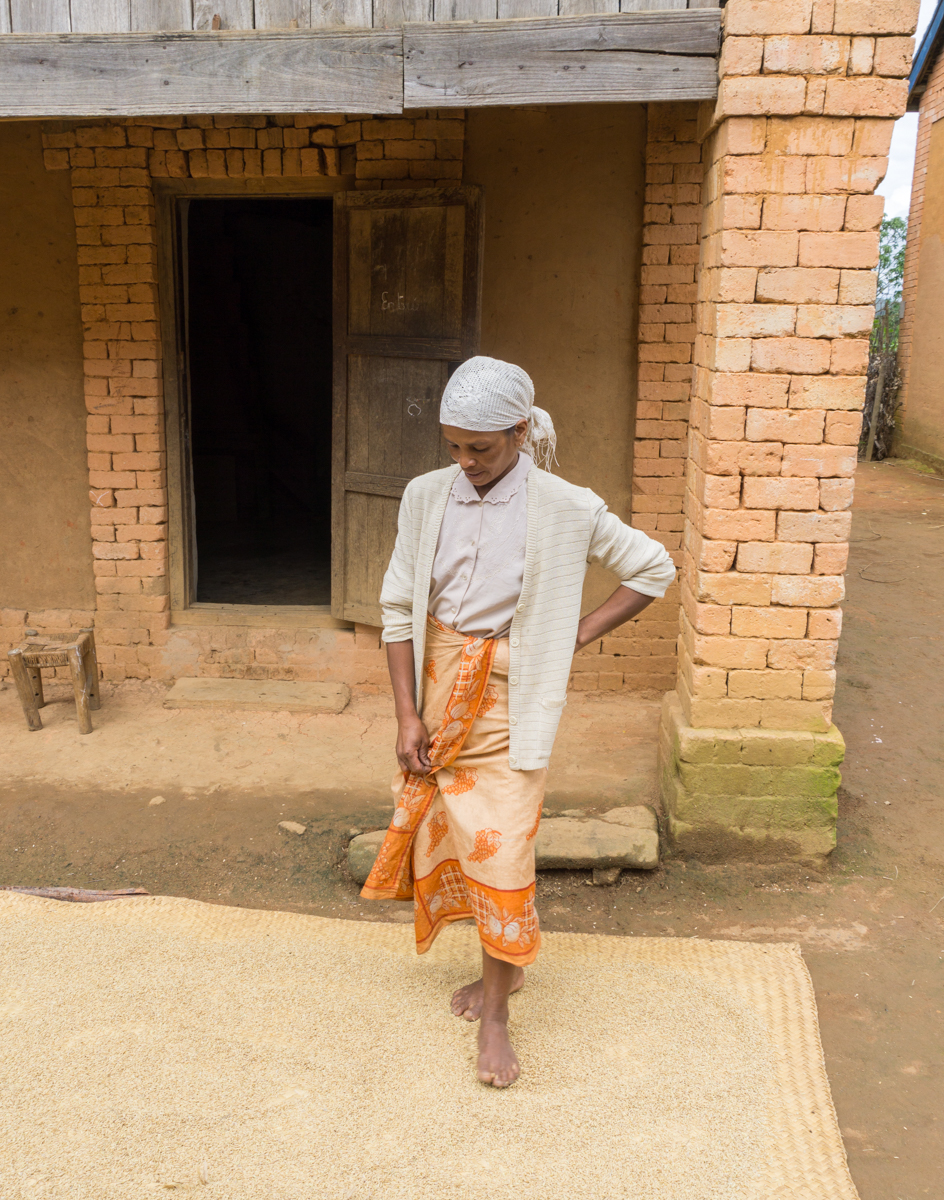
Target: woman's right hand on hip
(413, 746)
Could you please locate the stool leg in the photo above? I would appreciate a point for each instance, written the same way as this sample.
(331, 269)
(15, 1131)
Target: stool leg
(90, 663)
(24, 687)
(36, 681)
(77, 668)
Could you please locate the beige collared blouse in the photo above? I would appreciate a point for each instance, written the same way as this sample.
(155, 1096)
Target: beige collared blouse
(567, 528)
(479, 564)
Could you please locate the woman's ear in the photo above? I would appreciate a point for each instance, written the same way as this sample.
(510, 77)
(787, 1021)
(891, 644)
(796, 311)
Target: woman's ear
(521, 431)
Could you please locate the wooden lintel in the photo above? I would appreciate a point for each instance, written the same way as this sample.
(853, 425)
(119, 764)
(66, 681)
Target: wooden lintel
(140, 74)
(669, 55)
(642, 56)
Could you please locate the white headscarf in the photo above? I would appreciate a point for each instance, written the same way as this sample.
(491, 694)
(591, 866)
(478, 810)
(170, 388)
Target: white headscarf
(486, 395)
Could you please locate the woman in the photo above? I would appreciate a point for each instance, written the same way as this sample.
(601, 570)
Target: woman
(481, 608)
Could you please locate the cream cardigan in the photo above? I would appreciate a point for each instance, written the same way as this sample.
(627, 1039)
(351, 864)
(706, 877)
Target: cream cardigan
(568, 528)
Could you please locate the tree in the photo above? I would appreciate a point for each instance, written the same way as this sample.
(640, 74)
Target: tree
(891, 273)
(883, 343)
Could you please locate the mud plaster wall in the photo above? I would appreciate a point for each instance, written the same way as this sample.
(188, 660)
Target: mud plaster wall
(564, 194)
(563, 213)
(921, 354)
(45, 543)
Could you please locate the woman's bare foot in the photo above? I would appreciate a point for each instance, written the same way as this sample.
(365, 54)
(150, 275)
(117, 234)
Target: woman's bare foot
(467, 1001)
(498, 1064)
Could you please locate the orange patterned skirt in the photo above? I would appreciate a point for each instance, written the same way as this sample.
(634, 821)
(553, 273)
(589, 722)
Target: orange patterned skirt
(461, 841)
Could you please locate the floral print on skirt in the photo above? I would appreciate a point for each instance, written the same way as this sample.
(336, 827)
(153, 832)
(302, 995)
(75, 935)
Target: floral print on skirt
(461, 841)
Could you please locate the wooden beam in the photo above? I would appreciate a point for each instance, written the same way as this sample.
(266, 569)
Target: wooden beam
(87, 75)
(563, 60)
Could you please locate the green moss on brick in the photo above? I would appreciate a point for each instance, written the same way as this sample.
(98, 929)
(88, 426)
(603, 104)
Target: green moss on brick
(748, 793)
(829, 749)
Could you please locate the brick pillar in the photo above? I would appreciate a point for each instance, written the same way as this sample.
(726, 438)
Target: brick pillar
(793, 151)
(115, 228)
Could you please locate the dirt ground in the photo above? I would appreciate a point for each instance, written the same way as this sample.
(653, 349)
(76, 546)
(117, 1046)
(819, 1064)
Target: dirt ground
(328, 763)
(871, 921)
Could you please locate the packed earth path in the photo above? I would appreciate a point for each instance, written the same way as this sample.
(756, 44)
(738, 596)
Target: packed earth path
(870, 921)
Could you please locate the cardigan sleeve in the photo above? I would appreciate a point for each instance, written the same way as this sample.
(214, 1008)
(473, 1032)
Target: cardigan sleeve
(396, 594)
(641, 562)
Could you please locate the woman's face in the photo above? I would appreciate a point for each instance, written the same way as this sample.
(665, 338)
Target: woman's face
(484, 457)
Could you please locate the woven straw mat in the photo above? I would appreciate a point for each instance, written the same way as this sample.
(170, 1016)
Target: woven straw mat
(159, 1046)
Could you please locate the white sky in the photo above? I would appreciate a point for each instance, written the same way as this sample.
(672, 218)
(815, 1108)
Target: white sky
(896, 186)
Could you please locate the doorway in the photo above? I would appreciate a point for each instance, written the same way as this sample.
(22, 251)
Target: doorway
(258, 313)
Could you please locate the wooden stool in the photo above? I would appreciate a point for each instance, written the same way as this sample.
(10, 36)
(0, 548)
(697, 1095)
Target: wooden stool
(77, 653)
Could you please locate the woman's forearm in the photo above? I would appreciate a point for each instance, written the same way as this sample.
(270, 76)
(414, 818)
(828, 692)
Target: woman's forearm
(622, 606)
(402, 677)
(412, 735)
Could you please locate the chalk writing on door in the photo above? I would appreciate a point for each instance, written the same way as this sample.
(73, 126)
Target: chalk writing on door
(397, 303)
(414, 407)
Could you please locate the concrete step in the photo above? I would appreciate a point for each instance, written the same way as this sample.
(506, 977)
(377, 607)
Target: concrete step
(622, 838)
(260, 695)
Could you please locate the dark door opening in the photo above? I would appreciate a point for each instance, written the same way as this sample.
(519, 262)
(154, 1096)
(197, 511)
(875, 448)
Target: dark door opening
(259, 348)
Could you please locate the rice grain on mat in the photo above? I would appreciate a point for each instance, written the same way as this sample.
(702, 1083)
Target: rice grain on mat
(157, 1045)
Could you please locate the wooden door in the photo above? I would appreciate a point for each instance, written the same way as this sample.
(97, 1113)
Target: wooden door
(407, 287)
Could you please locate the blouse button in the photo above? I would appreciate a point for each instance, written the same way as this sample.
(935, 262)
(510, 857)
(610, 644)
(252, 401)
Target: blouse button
(512, 720)
(516, 641)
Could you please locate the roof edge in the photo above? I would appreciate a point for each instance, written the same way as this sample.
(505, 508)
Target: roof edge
(925, 58)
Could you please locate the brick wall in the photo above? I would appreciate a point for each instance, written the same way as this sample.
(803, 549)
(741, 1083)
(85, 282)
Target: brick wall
(795, 147)
(641, 655)
(755, 312)
(932, 110)
(113, 163)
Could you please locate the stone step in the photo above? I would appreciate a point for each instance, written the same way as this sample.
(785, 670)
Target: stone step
(265, 695)
(621, 838)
